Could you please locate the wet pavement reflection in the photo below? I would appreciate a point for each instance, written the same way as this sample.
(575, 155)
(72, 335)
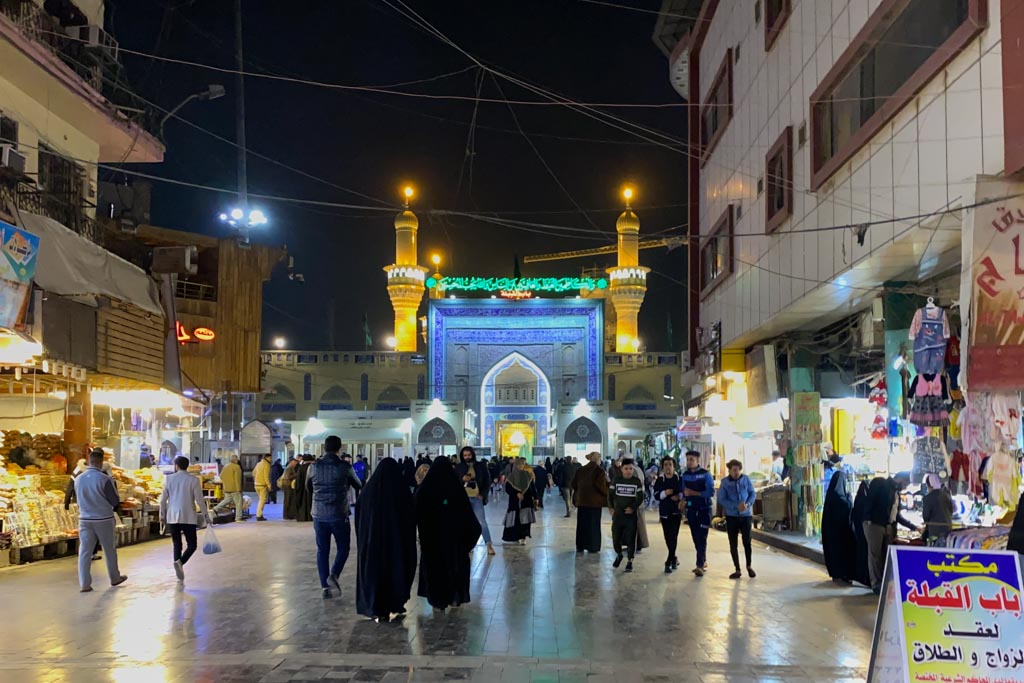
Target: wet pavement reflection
(539, 613)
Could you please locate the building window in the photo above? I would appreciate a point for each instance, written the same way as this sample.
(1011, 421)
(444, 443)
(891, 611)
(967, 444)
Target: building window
(716, 254)
(307, 387)
(336, 357)
(717, 109)
(306, 359)
(8, 131)
(421, 388)
(903, 45)
(778, 170)
(364, 387)
(611, 387)
(62, 182)
(776, 13)
(668, 387)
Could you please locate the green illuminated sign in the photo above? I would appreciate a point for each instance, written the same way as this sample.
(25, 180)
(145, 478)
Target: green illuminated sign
(517, 284)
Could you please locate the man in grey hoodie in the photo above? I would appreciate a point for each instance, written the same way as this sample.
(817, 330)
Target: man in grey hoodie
(97, 499)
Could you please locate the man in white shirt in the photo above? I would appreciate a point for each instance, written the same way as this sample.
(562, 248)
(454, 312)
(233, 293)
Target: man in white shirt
(181, 503)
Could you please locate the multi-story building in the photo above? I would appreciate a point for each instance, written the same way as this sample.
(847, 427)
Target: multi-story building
(832, 149)
(64, 108)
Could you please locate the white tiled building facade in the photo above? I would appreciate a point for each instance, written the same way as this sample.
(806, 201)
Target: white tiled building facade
(932, 119)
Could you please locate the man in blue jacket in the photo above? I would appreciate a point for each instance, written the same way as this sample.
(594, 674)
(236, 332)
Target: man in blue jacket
(736, 495)
(698, 490)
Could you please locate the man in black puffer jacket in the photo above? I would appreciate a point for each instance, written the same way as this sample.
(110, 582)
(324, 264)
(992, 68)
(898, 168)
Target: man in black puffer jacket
(329, 481)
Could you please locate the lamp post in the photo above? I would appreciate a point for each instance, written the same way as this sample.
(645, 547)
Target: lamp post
(213, 91)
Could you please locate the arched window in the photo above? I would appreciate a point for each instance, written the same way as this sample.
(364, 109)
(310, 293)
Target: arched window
(668, 385)
(611, 387)
(421, 388)
(307, 387)
(364, 387)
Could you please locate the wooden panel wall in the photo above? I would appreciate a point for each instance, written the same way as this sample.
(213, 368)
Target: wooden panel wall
(130, 343)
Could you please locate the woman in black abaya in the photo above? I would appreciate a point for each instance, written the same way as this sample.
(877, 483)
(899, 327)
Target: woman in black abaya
(838, 541)
(303, 498)
(860, 574)
(385, 543)
(448, 533)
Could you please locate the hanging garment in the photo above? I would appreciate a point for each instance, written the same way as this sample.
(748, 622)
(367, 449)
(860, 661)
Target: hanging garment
(929, 458)
(929, 330)
(1006, 418)
(928, 401)
(1003, 479)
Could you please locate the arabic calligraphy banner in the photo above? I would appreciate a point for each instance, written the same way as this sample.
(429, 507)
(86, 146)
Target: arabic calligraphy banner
(994, 262)
(518, 284)
(960, 615)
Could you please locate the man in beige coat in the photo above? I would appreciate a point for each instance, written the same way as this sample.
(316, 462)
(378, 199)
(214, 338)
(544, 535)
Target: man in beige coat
(231, 480)
(261, 478)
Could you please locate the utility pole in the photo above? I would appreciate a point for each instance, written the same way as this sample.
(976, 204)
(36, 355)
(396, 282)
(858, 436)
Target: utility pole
(243, 198)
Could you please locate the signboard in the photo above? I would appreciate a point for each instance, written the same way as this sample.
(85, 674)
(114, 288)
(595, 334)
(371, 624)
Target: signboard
(949, 615)
(806, 414)
(196, 335)
(762, 376)
(689, 428)
(17, 268)
(255, 438)
(994, 262)
(506, 285)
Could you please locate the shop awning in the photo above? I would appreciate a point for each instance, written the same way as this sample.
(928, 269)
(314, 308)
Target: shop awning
(70, 265)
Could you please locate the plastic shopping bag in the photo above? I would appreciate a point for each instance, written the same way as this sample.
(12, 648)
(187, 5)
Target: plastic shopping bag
(211, 545)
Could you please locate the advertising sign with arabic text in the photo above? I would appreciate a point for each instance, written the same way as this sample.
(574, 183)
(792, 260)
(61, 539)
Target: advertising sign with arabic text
(958, 615)
(17, 268)
(994, 259)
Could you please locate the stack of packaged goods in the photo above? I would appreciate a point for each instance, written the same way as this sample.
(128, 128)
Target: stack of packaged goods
(27, 454)
(37, 516)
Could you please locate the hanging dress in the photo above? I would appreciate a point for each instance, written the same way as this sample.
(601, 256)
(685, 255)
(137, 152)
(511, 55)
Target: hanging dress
(928, 397)
(929, 330)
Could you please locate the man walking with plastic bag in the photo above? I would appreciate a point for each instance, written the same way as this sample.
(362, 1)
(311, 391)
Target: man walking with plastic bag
(181, 503)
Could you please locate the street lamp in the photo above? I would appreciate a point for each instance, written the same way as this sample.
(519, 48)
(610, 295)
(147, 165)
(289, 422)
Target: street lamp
(243, 219)
(391, 342)
(213, 91)
(279, 342)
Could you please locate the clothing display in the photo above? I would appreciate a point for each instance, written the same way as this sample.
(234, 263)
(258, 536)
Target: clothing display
(928, 397)
(929, 458)
(929, 331)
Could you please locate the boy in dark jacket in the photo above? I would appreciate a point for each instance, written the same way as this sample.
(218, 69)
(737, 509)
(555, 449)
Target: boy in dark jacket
(699, 491)
(625, 498)
(668, 491)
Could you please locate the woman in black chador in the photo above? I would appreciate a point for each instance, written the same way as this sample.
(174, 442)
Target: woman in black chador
(838, 541)
(448, 533)
(385, 542)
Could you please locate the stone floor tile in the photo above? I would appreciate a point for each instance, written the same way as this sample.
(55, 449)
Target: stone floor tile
(540, 613)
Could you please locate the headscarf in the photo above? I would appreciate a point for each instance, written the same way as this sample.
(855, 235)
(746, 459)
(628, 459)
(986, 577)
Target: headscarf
(521, 475)
(933, 481)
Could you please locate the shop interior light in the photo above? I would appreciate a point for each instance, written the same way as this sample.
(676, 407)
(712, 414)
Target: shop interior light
(137, 399)
(710, 382)
(17, 350)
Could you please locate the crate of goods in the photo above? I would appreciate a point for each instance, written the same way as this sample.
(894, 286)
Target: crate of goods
(774, 503)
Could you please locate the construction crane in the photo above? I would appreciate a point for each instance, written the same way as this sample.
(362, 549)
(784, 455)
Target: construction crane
(669, 242)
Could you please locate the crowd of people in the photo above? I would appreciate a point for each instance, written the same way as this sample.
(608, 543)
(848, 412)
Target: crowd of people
(430, 513)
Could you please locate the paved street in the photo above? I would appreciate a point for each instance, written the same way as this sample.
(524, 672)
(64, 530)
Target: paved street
(540, 613)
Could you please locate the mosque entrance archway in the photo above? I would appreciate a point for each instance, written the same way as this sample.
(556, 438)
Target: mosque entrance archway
(516, 439)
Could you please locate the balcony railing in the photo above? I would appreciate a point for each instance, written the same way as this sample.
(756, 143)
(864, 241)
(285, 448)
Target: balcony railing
(20, 196)
(196, 291)
(97, 65)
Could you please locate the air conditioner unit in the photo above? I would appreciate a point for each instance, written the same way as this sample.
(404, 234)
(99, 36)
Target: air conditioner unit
(12, 159)
(176, 260)
(95, 39)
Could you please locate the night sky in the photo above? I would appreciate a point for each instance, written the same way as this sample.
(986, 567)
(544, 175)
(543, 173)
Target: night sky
(371, 143)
